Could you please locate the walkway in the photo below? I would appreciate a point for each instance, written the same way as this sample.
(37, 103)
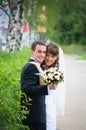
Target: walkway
(75, 112)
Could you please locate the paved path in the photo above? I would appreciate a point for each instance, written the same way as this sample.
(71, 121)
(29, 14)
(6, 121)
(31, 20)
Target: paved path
(75, 112)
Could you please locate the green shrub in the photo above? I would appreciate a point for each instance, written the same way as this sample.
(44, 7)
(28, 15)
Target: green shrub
(10, 70)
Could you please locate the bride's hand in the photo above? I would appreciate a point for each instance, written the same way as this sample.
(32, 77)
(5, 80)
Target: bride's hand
(37, 65)
(52, 86)
(41, 81)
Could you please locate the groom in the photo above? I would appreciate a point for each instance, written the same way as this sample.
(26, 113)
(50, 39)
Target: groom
(36, 119)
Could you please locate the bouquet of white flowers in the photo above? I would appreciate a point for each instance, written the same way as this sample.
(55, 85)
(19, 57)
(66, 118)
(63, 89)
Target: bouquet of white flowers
(53, 75)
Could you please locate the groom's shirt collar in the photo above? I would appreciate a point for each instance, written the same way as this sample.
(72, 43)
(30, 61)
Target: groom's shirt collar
(33, 59)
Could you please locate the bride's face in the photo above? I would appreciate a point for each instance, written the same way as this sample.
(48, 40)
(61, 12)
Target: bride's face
(50, 59)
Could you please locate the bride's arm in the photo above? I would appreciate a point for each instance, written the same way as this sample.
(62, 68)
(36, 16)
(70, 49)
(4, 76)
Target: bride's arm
(40, 71)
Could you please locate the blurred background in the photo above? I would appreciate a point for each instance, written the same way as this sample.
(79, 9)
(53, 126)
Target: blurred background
(21, 23)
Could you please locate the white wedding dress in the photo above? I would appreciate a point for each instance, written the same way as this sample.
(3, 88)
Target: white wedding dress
(55, 101)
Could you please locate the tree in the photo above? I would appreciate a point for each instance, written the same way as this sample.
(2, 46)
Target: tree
(64, 20)
(15, 14)
(71, 23)
(43, 14)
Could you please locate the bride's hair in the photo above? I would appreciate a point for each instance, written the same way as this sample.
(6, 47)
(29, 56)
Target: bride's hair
(53, 49)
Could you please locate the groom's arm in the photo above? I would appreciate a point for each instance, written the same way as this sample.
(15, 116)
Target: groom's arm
(30, 82)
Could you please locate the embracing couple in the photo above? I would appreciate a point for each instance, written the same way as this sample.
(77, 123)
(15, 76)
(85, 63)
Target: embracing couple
(44, 105)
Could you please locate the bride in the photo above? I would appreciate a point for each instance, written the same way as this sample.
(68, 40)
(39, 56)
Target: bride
(55, 101)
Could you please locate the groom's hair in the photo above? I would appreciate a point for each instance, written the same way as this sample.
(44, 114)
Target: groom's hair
(34, 44)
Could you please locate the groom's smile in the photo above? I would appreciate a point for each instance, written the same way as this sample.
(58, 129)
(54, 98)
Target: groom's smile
(39, 53)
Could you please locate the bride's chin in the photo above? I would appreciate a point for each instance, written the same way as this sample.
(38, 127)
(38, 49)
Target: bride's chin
(48, 64)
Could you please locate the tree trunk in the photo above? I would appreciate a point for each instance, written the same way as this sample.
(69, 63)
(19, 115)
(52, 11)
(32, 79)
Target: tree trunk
(15, 24)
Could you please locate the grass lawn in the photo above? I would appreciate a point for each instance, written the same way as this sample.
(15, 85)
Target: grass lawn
(79, 50)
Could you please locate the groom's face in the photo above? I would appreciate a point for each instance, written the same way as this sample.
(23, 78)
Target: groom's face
(39, 53)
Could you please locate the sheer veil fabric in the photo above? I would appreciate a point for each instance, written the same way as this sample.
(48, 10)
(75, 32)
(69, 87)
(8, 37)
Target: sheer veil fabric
(60, 91)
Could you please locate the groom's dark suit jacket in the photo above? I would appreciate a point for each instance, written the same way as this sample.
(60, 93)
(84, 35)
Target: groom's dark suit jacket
(30, 86)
